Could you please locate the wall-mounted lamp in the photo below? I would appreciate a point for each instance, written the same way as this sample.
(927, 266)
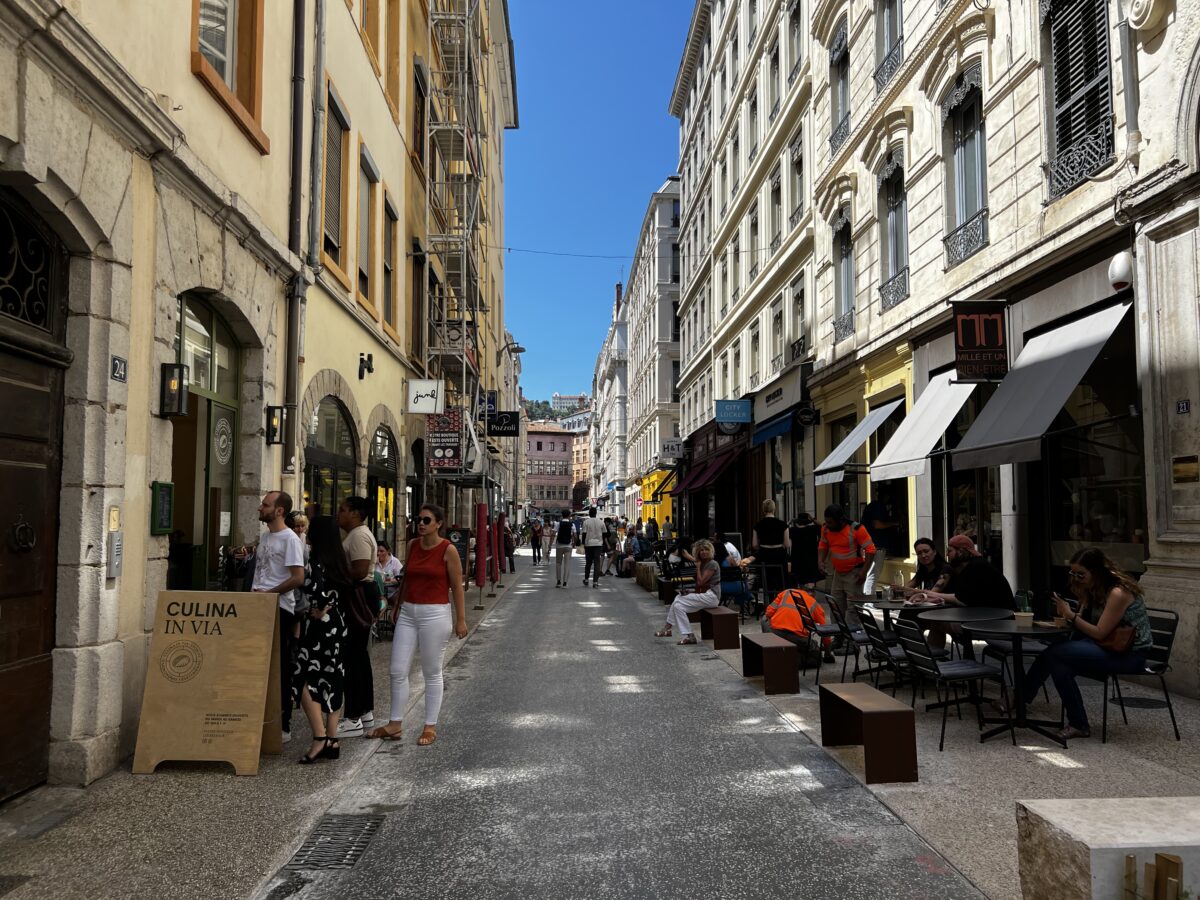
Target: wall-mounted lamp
(512, 347)
(366, 363)
(173, 390)
(276, 420)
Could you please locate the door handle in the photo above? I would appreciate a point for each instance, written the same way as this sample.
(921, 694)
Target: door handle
(24, 537)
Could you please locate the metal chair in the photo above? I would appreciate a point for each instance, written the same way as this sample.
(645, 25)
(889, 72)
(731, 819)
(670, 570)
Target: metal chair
(815, 629)
(887, 654)
(1164, 623)
(855, 639)
(951, 673)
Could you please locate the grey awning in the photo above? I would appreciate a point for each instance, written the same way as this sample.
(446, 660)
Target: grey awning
(1010, 427)
(906, 454)
(832, 468)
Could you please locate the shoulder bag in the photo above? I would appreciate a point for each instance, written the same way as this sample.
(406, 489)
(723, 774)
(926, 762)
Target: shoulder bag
(1119, 640)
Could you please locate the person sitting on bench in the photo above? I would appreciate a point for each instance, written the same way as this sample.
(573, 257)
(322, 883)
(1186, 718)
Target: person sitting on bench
(782, 618)
(705, 594)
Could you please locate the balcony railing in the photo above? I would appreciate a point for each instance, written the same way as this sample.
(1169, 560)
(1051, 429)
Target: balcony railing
(795, 71)
(1084, 158)
(737, 391)
(794, 218)
(737, 183)
(724, 311)
(776, 363)
(967, 240)
(797, 348)
(753, 271)
(895, 290)
(775, 243)
(737, 293)
(774, 110)
(753, 153)
(840, 133)
(890, 65)
(843, 327)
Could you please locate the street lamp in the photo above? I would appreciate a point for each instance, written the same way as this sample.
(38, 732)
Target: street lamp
(512, 347)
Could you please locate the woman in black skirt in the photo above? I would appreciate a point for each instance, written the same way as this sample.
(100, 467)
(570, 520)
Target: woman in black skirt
(320, 674)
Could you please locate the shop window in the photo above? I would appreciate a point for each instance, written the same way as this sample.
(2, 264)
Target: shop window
(889, 499)
(204, 451)
(331, 458)
(227, 52)
(383, 485)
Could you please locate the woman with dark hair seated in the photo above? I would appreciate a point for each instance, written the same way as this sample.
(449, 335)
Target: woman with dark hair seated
(932, 570)
(1110, 635)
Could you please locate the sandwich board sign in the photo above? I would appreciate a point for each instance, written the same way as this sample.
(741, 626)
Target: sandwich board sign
(212, 681)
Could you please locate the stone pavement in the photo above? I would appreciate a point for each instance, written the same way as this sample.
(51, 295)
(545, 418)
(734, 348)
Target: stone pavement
(581, 757)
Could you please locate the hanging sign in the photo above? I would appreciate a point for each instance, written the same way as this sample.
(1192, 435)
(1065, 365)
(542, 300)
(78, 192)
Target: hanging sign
(212, 683)
(443, 438)
(426, 395)
(734, 411)
(671, 449)
(980, 341)
(504, 423)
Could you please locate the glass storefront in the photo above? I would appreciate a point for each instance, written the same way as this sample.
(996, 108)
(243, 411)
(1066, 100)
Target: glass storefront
(331, 458)
(891, 495)
(383, 485)
(845, 492)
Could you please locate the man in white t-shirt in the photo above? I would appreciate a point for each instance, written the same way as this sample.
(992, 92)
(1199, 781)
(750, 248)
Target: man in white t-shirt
(279, 569)
(593, 547)
(359, 543)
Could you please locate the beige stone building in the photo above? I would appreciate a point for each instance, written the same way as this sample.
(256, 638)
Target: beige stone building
(1040, 158)
(238, 203)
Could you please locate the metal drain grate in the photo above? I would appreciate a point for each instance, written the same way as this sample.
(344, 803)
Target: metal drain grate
(336, 843)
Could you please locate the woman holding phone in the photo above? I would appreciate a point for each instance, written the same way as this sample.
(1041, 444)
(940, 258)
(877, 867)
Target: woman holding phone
(705, 594)
(1110, 635)
(433, 573)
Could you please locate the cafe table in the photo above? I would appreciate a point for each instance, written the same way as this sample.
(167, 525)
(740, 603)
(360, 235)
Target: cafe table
(887, 607)
(1016, 632)
(959, 615)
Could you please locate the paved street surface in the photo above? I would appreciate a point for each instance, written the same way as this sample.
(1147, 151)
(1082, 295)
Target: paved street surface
(581, 757)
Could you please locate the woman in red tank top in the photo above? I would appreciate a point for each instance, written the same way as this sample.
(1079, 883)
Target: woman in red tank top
(432, 573)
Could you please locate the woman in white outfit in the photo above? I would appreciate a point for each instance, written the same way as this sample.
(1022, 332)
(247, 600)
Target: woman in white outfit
(705, 594)
(433, 572)
(547, 540)
(564, 545)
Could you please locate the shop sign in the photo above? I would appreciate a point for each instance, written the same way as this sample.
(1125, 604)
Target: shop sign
(671, 449)
(426, 395)
(443, 438)
(733, 411)
(504, 423)
(980, 341)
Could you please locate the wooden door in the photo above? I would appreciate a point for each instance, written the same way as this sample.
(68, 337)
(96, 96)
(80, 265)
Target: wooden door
(32, 361)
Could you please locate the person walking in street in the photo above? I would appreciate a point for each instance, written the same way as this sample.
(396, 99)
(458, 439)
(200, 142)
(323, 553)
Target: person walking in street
(668, 531)
(433, 574)
(705, 593)
(279, 569)
(563, 544)
(846, 547)
(320, 675)
(361, 548)
(535, 540)
(510, 547)
(770, 544)
(547, 540)
(593, 547)
(652, 530)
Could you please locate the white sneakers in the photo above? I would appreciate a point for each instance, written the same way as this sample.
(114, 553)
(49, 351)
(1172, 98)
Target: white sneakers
(355, 727)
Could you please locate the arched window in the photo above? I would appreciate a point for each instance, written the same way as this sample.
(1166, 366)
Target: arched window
(966, 181)
(383, 477)
(893, 226)
(331, 457)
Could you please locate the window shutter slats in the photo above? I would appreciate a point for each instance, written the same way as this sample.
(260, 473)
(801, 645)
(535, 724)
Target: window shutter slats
(1082, 91)
(333, 180)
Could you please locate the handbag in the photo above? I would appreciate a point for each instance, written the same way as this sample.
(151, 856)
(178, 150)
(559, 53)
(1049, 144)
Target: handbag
(1119, 640)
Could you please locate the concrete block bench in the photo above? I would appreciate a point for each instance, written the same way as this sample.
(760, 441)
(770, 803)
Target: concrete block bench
(777, 660)
(1076, 849)
(646, 574)
(857, 714)
(719, 624)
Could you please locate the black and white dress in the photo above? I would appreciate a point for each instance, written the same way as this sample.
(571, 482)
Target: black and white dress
(319, 667)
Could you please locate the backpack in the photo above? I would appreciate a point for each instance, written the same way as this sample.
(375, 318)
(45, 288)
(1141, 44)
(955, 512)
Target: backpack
(564, 531)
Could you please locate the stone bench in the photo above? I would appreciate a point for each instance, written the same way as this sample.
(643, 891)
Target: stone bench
(646, 574)
(719, 624)
(776, 659)
(1077, 849)
(886, 729)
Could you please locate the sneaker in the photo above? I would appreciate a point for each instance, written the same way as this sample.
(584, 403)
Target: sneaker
(350, 728)
(595, 584)
(558, 584)
(287, 735)
(368, 721)
(828, 657)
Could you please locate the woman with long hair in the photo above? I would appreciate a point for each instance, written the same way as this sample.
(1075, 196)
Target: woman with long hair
(320, 675)
(706, 593)
(1110, 634)
(932, 572)
(771, 545)
(433, 572)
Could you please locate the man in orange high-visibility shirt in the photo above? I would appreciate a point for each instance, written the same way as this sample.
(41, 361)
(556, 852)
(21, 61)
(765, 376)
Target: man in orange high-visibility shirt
(848, 547)
(783, 618)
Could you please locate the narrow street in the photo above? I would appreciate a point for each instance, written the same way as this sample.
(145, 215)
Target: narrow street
(581, 757)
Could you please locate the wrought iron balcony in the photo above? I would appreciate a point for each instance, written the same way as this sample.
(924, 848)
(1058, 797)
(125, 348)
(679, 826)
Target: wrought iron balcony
(753, 35)
(737, 183)
(753, 153)
(774, 110)
(795, 71)
(776, 363)
(794, 218)
(891, 63)
(967, 240)
(737, 293)
(843, 326)
(724, 206)
(724, 311)
(737, 391)
(1085, 157)
(840, 133)
(797, 348)
(895, 290)
(775, 243)
(753, 271)
(754, 381)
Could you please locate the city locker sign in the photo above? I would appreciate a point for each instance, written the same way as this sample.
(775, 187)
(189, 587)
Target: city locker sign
(212, 681)
(980, 341)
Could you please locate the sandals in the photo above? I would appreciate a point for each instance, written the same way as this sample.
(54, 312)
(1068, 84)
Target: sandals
(324, 753)
(690, 639)
(666, 632)
(428, 736)
(382, 733)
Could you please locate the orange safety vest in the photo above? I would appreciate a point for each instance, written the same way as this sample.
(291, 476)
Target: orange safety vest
(848, 548)
(784, 615)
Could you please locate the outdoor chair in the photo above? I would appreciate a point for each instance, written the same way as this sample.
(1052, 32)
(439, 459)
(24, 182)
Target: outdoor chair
(949, 673)
(735, 591)
(820, 632)
(855, 640)
(887, 655)
(1164, 623)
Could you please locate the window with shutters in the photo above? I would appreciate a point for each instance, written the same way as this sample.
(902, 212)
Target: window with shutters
(368, 26)
(336, 187)
(419, 131)
(1080, 91)
(368, 207)
(227, 54)
(391, 259)
(392, 22)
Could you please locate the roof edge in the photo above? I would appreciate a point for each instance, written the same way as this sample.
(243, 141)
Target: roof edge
(691, 52)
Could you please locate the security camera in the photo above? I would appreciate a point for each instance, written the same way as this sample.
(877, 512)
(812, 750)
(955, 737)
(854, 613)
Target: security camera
(1120, 271)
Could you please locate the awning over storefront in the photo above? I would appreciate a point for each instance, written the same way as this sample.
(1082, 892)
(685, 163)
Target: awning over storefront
(774, 428)
(661, 489)
(832, 468)
(702, 475)
(715, 468)
(693, 473)
(906, 453)
(1010, 428)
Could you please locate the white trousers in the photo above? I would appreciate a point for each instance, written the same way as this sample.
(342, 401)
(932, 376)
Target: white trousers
(426, 626)
(875, 573)
(547, 540)
(677, 614)
(562, 561)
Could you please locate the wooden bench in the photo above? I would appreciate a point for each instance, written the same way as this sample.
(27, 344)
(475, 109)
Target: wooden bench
(719, 624)
(777, 660)
(886, 728)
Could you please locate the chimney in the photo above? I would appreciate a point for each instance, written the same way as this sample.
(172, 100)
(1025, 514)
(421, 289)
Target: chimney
(618, 297)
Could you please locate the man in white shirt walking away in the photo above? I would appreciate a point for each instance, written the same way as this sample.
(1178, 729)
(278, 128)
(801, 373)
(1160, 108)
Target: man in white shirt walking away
(593, 547)
(279, 569)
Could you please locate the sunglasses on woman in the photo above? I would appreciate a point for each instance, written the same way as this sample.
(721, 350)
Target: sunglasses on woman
(1076, 576)
(425, 520)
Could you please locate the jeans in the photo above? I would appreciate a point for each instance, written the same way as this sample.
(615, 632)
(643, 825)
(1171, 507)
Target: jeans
(535, 543)
(591, 562)
(426, 626)
(1080, 656)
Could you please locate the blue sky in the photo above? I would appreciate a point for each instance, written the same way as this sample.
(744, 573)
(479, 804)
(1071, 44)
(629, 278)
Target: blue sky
(593, 84)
